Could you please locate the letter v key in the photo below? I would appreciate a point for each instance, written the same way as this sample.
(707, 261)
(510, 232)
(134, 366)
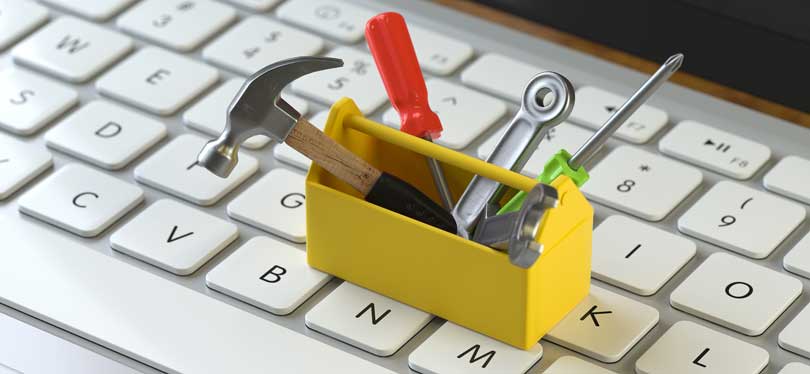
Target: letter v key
(174, 231)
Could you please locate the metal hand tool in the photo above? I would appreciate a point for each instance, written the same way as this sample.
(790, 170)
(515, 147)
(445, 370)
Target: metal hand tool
(517, 232)
(258, 109)
(564, 163)
(547, 101)
(390, 45)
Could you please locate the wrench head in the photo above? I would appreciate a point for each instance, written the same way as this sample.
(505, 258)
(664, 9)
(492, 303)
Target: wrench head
(548, 99)
(258, 109)
(523, 249)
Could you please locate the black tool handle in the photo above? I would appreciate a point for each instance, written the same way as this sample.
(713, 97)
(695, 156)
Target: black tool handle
(394, 194)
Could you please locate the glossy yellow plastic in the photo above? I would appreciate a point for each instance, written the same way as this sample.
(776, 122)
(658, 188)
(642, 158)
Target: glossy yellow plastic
(456, 279)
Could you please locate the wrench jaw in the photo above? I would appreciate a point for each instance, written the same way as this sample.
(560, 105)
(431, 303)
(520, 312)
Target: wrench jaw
(524, 250)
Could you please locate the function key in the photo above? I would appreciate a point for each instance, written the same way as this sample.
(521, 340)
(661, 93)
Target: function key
(512, 75)
(332, 18)
(595, 106)
(437, 53)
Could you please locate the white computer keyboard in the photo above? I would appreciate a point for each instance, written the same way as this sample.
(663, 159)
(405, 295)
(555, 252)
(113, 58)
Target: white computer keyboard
(701, 253)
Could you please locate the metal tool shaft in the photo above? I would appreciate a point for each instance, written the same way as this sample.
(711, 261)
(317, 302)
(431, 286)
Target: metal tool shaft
(440, 181)
(592, 145)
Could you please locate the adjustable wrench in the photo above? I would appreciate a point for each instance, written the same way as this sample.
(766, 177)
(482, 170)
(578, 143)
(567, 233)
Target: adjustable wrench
(547, 101)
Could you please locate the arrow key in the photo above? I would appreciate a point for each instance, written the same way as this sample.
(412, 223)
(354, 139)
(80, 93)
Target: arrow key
(174, 237)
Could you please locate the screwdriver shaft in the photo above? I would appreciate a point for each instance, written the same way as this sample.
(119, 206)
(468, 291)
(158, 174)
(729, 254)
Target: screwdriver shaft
(440, 181)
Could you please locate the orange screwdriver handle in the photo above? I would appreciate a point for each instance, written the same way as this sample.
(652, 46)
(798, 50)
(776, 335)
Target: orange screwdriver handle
(390, 44)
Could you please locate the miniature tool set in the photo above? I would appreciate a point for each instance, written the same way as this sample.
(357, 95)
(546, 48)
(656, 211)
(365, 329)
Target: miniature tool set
(532, 238)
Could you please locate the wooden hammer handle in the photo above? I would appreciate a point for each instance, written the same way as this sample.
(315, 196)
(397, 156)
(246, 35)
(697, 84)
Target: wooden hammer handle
(348, 167)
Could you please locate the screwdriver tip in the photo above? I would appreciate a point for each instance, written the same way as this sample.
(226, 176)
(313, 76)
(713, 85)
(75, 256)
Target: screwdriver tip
(674, 62)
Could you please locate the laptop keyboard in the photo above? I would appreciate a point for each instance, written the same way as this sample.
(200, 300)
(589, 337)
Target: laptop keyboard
(97, 90)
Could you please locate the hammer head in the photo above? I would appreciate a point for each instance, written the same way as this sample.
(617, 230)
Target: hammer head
(258, 109)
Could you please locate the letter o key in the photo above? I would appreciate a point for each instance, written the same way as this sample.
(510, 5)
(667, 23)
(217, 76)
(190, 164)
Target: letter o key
(739, 295)
(288, 202)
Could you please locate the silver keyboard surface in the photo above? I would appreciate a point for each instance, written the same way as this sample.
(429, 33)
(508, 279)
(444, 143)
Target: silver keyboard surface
(701, 246)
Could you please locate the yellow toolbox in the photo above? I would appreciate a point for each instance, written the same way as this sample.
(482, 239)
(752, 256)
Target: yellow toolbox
(440, 273)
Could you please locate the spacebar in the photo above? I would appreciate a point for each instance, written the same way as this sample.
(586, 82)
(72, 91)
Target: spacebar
(148, 318)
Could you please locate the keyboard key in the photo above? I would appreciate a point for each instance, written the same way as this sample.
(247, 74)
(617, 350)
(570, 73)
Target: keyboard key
(72, 49)
(97, 10)
(791, 178)
(285, 153)
(438, 54)
(465, 114)
(174, 237)
(563, 136)
(641, 183)
(257, 5)
(105, 134)
(742, 219)
(173, 169)
(794, 337)
(18, 18)
(28, 101)
(511, 78)
(178, 24)
(276, 204)
(257, 42)
(357, 79)
(572, 365)
(168, 325)
(688, 348)
(637, 257)
(332, 18)
(604, 326)
(365, 319)
(157, 80)
(455, 349)
(19, 164)
(80, 200)
(269, 274)
(798, 259)
(713, 149)
(210, 114)
(595, 106)
(736, 293)
(795, 368)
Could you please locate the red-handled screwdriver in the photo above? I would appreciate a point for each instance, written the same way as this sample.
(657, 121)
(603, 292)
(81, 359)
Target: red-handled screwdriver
(390, 44)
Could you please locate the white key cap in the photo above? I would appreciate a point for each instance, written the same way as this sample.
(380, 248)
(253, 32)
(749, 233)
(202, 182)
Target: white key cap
(157, 80)
(563, 136)
(257, 42)
(98, 10)
(438, 54)
(18, 18)
(465, 114)
(210, 114)
(573, 365)
(257, 5)
(791, 178)
(80, 200)
(604, 326)
(76, 287)
(72, 49)
(19, 164)
(285, 153)
(28, 101)
(713, 149)
(595, 106)
(742, 219)
(795, 368)
(332, 18)
(173, 169)
(641, 183)
(688, 348)
(365, 319)
(276, 203)
(794, 337)
(736, 293)
(798, 259)
(511, 77)
(177, 24)
(637, 257)
(357, 79)
(105, 134)
(174, 237)
(268, 273)
(453, 349)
